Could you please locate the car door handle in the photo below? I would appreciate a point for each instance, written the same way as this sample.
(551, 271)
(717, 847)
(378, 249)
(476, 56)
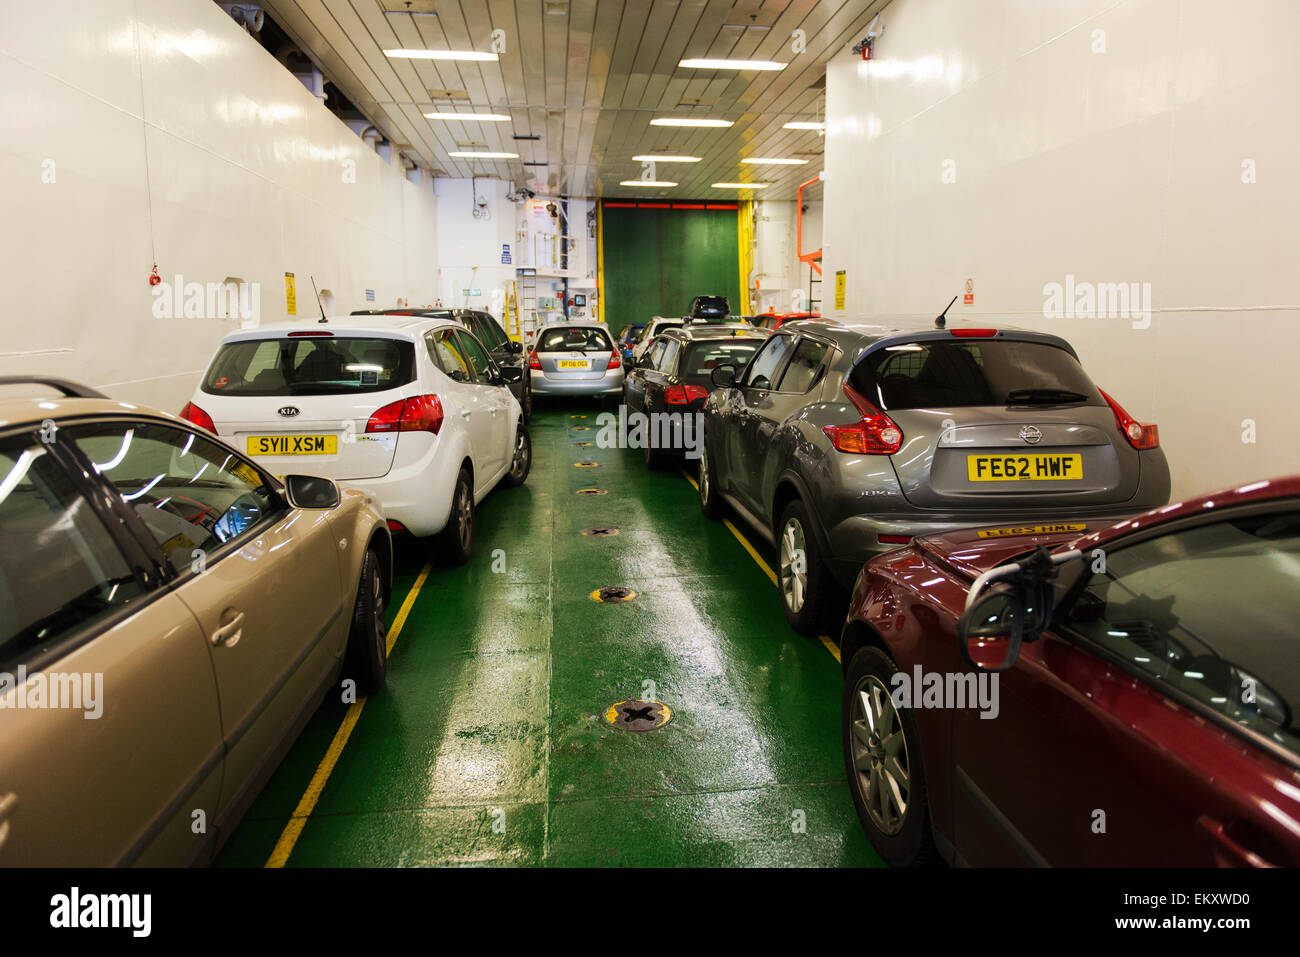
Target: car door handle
(231, 630)
(464, 413)
(7, 804)
(1226, 850)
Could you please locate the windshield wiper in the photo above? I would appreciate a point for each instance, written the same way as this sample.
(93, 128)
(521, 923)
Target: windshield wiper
(1047, 396)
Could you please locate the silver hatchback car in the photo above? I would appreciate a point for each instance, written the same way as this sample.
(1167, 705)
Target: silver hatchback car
(840, 440)
(575, 359)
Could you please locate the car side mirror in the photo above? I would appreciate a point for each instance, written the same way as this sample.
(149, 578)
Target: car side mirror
(989, 632)
(723, 376)
(515, 347)
(458, 375)
(311, 491)
(511, 374)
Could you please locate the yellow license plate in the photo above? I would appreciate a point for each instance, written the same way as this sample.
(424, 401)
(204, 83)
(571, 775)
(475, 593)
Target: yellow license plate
(1032, 467)
(571, 364)
(293, 445)
(1030, 530)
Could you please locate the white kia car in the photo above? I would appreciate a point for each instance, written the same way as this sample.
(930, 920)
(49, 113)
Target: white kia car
(411, 409)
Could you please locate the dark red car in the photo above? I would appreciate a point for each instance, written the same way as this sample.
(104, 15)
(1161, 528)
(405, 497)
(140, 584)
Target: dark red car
(1114, 696)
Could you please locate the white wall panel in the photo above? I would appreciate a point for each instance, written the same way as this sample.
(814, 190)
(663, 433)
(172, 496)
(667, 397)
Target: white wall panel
(246, 175)
(1117, 166)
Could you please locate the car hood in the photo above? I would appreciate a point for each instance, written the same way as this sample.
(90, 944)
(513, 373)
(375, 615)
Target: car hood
(971, 551)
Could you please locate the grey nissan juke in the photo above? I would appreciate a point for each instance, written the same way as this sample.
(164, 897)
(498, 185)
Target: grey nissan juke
(843, 439)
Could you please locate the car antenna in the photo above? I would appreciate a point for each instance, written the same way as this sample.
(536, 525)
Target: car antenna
(941, 320)
(322, 308)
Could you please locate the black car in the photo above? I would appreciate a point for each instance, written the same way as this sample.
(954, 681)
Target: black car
(674, 373)
(505, 351)
(713, 308)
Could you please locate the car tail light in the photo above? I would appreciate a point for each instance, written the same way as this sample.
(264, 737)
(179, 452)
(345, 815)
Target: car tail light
(615, 360)
(684, 394)
(874, 434)
(311, 334)
(533, 361)
(395, 526)
(894, 539)
(974, 333)
(423, 413)
(1140, 436)
(192, 413)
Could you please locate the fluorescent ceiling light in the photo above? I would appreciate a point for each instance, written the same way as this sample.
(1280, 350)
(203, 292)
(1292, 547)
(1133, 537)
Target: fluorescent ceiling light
(494, 156)
(666, 158)
(439, 55)
(645, 182)
(687, 121)
(739, 185)
(772, 161)
(469, 117)
(707, 64)
(803, 125)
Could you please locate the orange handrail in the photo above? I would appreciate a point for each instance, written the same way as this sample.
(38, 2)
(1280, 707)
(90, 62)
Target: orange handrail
(810, 258)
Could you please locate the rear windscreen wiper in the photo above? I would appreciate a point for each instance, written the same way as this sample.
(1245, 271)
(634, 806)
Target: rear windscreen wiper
(1050, 396)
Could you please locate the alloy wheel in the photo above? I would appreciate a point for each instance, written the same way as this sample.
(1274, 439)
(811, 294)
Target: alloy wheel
(704, 472)
(464, 516)
(881, 769)
(520, 463)
(794, 566)
(377, 610)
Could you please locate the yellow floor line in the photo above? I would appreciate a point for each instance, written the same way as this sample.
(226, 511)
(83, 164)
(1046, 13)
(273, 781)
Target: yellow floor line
(307, 803)
(825, 639)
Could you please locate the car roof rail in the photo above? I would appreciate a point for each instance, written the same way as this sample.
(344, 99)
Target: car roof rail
(72, 390)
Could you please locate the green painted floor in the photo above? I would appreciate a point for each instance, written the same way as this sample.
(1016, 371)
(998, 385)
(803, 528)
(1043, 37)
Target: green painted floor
(488, 745)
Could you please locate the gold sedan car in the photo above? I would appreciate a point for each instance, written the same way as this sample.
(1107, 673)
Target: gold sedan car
(171, 615)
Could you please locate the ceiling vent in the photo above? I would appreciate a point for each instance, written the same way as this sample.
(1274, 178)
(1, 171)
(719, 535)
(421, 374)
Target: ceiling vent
(416, 8)
(753, 13)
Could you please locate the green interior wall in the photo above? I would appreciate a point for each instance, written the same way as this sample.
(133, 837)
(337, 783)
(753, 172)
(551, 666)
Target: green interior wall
(658, 260)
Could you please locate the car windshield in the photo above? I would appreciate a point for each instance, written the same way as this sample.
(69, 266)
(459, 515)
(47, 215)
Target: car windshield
(702, 357)
(953, 373)
(573, 339)
(310, 365)
(1209, 611)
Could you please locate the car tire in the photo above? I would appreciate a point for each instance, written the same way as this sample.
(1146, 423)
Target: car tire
(521, 461)
(710, 502)
(901, 836)
(455, 543)
(527, 404)
(807, 597)
(367, 655)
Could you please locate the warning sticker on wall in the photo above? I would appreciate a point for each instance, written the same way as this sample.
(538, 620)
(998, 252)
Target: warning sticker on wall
(839, 288)
(290, 295)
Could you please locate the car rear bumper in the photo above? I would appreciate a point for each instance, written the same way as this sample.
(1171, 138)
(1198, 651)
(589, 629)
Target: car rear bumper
(415, 493)
(611, 383)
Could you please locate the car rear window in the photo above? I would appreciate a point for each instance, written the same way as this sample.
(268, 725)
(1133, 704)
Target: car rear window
(950, 372)
(702, 357)
(310, 365)
(573, 339)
